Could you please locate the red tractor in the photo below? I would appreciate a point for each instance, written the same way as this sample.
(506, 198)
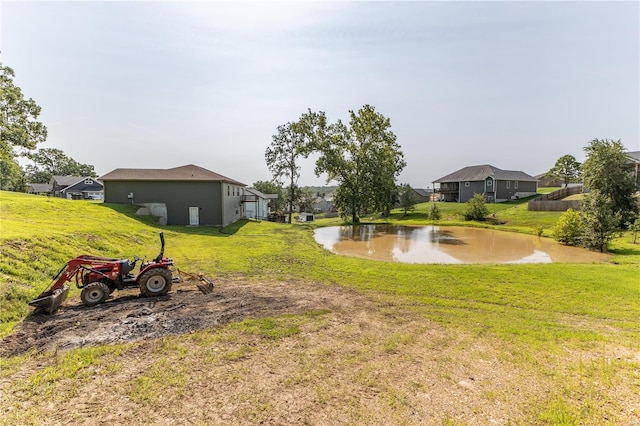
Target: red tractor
(98, 277)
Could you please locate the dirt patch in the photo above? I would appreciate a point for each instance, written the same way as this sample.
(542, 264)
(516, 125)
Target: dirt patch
(129, 317)
(360, 361)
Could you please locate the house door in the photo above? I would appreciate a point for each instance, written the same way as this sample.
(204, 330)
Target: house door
(194, 216)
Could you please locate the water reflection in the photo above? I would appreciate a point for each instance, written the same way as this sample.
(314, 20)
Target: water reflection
(415, 244)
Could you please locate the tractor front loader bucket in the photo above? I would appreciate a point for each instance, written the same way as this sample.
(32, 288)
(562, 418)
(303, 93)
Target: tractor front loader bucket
(50, 300)
(204, 284)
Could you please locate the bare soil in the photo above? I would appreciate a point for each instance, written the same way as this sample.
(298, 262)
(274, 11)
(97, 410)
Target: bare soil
(359, 360)
(127, 316)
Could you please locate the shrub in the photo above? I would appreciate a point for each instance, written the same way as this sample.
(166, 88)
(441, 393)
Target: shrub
(434, 213)
(569, 229)
(476, 208)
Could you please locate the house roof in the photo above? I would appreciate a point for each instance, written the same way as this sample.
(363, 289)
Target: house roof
(481, 172)
(422, 192)
(634, 155)
(262, 195)
(66, 180)
(41, 187)
(183, 173)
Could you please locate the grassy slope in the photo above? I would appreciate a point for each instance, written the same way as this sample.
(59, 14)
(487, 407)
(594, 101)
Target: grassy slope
(542, 309)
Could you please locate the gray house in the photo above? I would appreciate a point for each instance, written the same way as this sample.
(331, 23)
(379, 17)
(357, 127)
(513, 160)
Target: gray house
(187, 195)
(496, 184)
(76, 187)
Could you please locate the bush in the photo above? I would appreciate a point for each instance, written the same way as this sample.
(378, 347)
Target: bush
(434, 213)
(569, 229)
(476, 208)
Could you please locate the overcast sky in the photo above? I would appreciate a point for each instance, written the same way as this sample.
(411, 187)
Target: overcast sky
(165, 84)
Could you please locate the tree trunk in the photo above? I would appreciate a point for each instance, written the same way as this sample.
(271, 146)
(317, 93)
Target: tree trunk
(354, 217)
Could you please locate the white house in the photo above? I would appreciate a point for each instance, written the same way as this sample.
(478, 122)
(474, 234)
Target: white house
(256, 204)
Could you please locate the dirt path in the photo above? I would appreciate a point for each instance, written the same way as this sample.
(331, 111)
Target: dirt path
(129, 317)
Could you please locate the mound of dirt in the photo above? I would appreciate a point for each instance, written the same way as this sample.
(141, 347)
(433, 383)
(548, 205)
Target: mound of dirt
(130, 317)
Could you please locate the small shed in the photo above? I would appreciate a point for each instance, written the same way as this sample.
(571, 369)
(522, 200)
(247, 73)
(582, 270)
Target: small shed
(306, 217)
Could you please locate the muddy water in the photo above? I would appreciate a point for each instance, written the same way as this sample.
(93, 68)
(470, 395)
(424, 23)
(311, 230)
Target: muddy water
(414, 244)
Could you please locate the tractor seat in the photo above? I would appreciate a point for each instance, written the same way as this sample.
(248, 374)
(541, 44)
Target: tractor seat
(126, 266)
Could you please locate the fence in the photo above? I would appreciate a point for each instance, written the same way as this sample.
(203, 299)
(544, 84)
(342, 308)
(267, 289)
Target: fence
(554, 202)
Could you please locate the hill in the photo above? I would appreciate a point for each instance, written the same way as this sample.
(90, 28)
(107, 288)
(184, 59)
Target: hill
(293, 334)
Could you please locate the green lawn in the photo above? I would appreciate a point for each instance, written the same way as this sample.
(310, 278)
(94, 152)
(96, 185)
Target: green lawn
(542, 310)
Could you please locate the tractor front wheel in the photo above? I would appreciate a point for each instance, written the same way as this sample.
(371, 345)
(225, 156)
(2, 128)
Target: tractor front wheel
(156, 282)
(94, 293)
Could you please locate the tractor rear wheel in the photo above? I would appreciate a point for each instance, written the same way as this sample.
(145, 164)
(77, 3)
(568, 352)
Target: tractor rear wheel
(94, 293)
(156, 282)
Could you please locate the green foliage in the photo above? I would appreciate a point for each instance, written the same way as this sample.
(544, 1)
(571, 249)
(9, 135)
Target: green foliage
(476, 208)
(434, 213)
(19, 129)
(608, 170)
(569, 229)
(282, 156)
(50, 162)
(600, 221)
(363, 157)
(407, 198)
(635, 228)
(567, 168)
(11, 175)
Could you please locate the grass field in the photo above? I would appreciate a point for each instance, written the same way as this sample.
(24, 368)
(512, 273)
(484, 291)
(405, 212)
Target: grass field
(403, 344)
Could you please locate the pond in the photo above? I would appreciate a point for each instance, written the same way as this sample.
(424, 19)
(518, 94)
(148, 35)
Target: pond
(434, 244)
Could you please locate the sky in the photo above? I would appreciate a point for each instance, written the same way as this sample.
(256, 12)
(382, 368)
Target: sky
(161, 84)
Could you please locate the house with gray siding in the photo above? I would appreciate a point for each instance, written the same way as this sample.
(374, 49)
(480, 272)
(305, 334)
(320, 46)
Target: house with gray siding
(495, 184)
(76, 187)
(186, 195)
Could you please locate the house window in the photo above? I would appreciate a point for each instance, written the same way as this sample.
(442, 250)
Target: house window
(228, 190)
(515, 185)
(88, 182)
(508, 184)
(467, 184)
(490, 182)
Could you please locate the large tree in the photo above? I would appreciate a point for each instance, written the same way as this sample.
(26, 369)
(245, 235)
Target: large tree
(363, 157)
(608, 170)
(19, 128)
(48, 162)
(287, 148)
(567, 168)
